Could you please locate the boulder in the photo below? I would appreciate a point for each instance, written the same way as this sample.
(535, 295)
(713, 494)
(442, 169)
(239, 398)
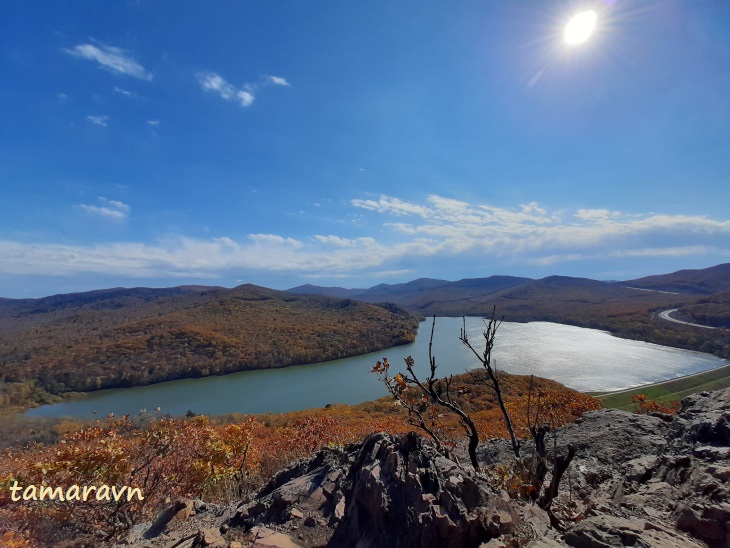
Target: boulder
(707, 418)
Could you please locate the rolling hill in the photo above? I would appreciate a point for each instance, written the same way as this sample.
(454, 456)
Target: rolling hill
(696, 282)
(522, 299)
(117, 338)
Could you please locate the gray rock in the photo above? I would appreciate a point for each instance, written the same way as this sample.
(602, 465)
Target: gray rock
(708, 415)
(310, 486)
(401, 492)
(710, 523)
(604, 531)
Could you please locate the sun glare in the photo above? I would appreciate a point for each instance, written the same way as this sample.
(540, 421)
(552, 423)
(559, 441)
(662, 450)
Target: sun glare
(580, 27)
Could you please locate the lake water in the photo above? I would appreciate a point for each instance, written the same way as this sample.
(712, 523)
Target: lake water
(583, 359)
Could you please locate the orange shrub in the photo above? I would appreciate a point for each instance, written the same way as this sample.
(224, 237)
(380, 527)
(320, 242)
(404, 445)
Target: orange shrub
(645, 405)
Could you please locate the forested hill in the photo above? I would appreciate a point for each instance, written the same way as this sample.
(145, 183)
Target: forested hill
(117, 338)
(704, 281)
(555, 298)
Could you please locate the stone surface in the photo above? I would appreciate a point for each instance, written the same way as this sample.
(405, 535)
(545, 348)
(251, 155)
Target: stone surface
(263, 537)
(210, 538)
(605, 530)
(172, 515)
(402, 492)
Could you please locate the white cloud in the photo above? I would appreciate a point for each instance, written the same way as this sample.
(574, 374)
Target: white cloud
(277, 81)
(532, 207)
(98, 120)
(154, 122)
(244, 96)
(210, 81)
(122, 91)
(274, 240)
(597, 214)
(115, 59)
(110, 209)
(666, 251)
(456, 228)
(386, 204)
(436, 231)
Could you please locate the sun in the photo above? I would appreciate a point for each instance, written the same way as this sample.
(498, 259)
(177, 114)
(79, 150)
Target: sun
(580, 27)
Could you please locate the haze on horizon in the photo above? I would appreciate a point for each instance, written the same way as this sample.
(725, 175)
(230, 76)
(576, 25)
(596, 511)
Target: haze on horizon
(166, 143)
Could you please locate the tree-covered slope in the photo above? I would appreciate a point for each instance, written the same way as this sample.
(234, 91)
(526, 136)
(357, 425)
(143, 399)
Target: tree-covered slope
(189, 334)
(704, 281)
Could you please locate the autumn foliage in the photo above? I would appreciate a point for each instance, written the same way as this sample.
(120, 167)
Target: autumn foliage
(645, 405)
(221, 460)
(166, 458)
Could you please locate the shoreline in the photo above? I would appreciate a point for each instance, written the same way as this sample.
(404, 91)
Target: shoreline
(659, 383)
(669, 390)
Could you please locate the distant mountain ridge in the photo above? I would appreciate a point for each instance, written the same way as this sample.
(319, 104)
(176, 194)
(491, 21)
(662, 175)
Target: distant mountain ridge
(626, 309)
(478, 295)
(473, 296)
(99, 299)
(703, 281)
(421, 293)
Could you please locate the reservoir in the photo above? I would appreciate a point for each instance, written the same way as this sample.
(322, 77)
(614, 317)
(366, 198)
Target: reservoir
(583, 359)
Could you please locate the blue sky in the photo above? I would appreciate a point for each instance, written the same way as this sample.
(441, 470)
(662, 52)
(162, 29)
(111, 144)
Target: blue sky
(352, 143)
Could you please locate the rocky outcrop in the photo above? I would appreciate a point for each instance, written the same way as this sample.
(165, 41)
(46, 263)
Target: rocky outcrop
(386, 492)
(637, 480)
(402, 492)
(662, 477)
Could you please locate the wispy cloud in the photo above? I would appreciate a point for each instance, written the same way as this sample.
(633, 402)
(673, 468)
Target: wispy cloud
(125, 92)
(459, 228)
(116, 60)
(396, 235)
(110, 209)
(244, 95)
(102, 121)
(154, 122)
(277, 81)
(210, 81)
(386, 204)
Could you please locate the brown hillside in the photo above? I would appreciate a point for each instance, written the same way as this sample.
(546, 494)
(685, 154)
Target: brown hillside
(703, 281)
(192, 334)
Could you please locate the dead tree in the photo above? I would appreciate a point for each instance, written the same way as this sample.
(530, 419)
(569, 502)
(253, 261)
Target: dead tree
(437, 393)
(434, 391)
(492, 381)
(538, 467)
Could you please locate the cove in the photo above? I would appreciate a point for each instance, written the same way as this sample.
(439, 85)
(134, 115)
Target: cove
(583, 359)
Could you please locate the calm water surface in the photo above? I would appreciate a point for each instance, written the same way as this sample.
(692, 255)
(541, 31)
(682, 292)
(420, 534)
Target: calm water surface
(584, 359)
